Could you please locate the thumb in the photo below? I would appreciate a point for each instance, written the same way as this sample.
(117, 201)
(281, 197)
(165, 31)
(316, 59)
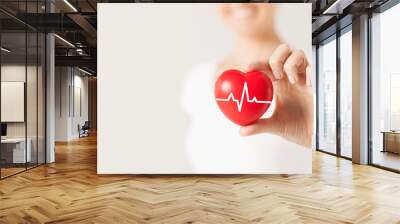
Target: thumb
(267, 125)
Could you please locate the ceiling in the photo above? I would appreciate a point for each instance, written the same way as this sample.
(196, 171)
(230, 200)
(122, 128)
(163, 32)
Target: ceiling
(76, 22)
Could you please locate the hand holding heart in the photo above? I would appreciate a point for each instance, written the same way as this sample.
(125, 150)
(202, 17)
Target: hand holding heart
(244, 97)
(293, 117)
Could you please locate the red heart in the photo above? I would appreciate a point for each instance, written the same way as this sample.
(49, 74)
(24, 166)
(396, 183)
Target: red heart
(243, 97)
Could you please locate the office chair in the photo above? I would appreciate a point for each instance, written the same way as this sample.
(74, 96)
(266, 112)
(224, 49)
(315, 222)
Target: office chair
(84, 130)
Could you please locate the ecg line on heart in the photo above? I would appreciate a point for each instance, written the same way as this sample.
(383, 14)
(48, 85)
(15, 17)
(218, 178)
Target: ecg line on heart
(245, 96)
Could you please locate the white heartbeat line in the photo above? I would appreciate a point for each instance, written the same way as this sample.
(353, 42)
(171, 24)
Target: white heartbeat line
(239, 103)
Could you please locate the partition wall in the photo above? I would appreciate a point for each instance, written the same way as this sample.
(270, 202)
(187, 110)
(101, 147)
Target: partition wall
(23, 87)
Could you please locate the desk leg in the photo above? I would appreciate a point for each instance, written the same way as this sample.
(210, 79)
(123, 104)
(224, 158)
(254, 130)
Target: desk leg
(384, 142)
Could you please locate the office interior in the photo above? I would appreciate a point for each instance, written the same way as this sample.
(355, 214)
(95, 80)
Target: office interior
(48, 81)
(374, 42)
(45, 89)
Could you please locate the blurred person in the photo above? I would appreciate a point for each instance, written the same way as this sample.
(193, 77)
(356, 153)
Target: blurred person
(284, 132)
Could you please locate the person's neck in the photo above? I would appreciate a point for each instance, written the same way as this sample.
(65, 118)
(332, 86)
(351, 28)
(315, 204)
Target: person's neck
(248, 50)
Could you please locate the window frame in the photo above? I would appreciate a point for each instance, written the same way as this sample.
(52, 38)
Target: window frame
(334, 37)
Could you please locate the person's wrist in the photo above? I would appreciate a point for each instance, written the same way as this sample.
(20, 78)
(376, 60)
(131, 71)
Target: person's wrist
(309, 130)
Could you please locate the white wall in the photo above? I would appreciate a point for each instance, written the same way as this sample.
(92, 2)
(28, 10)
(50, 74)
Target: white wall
(33, 127)
(70, 83)
(14, 73)
(17, 73)
(80, 103)
(61, 103)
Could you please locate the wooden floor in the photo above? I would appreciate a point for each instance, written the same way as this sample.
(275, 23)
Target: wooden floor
(5, 172)
(387, 159)
(9, 171)
(69, 191)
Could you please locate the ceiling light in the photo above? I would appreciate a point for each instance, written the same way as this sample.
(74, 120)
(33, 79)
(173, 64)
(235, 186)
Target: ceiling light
(79, 51)
(337, 7)
(84, 71)
(70, 5)
(65, 41)
(5, 50)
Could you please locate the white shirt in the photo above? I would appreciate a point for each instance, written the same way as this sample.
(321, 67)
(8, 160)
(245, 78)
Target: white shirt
(213, 143)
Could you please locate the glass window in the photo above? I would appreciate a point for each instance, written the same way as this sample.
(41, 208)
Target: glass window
(22, 92)
(14, 152)
(385, 89)
(346, 94)
(327, 97)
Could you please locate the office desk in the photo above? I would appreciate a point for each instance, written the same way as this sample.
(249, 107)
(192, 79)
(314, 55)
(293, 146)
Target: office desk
(391, 141)
(13, 150)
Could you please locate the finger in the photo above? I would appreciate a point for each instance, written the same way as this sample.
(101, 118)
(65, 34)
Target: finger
(295, 64)
(308, 75)
(278, 58)
(267, 125)
(262, 67)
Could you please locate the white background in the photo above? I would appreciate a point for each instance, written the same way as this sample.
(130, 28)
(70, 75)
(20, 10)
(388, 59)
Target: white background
(144, 53)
